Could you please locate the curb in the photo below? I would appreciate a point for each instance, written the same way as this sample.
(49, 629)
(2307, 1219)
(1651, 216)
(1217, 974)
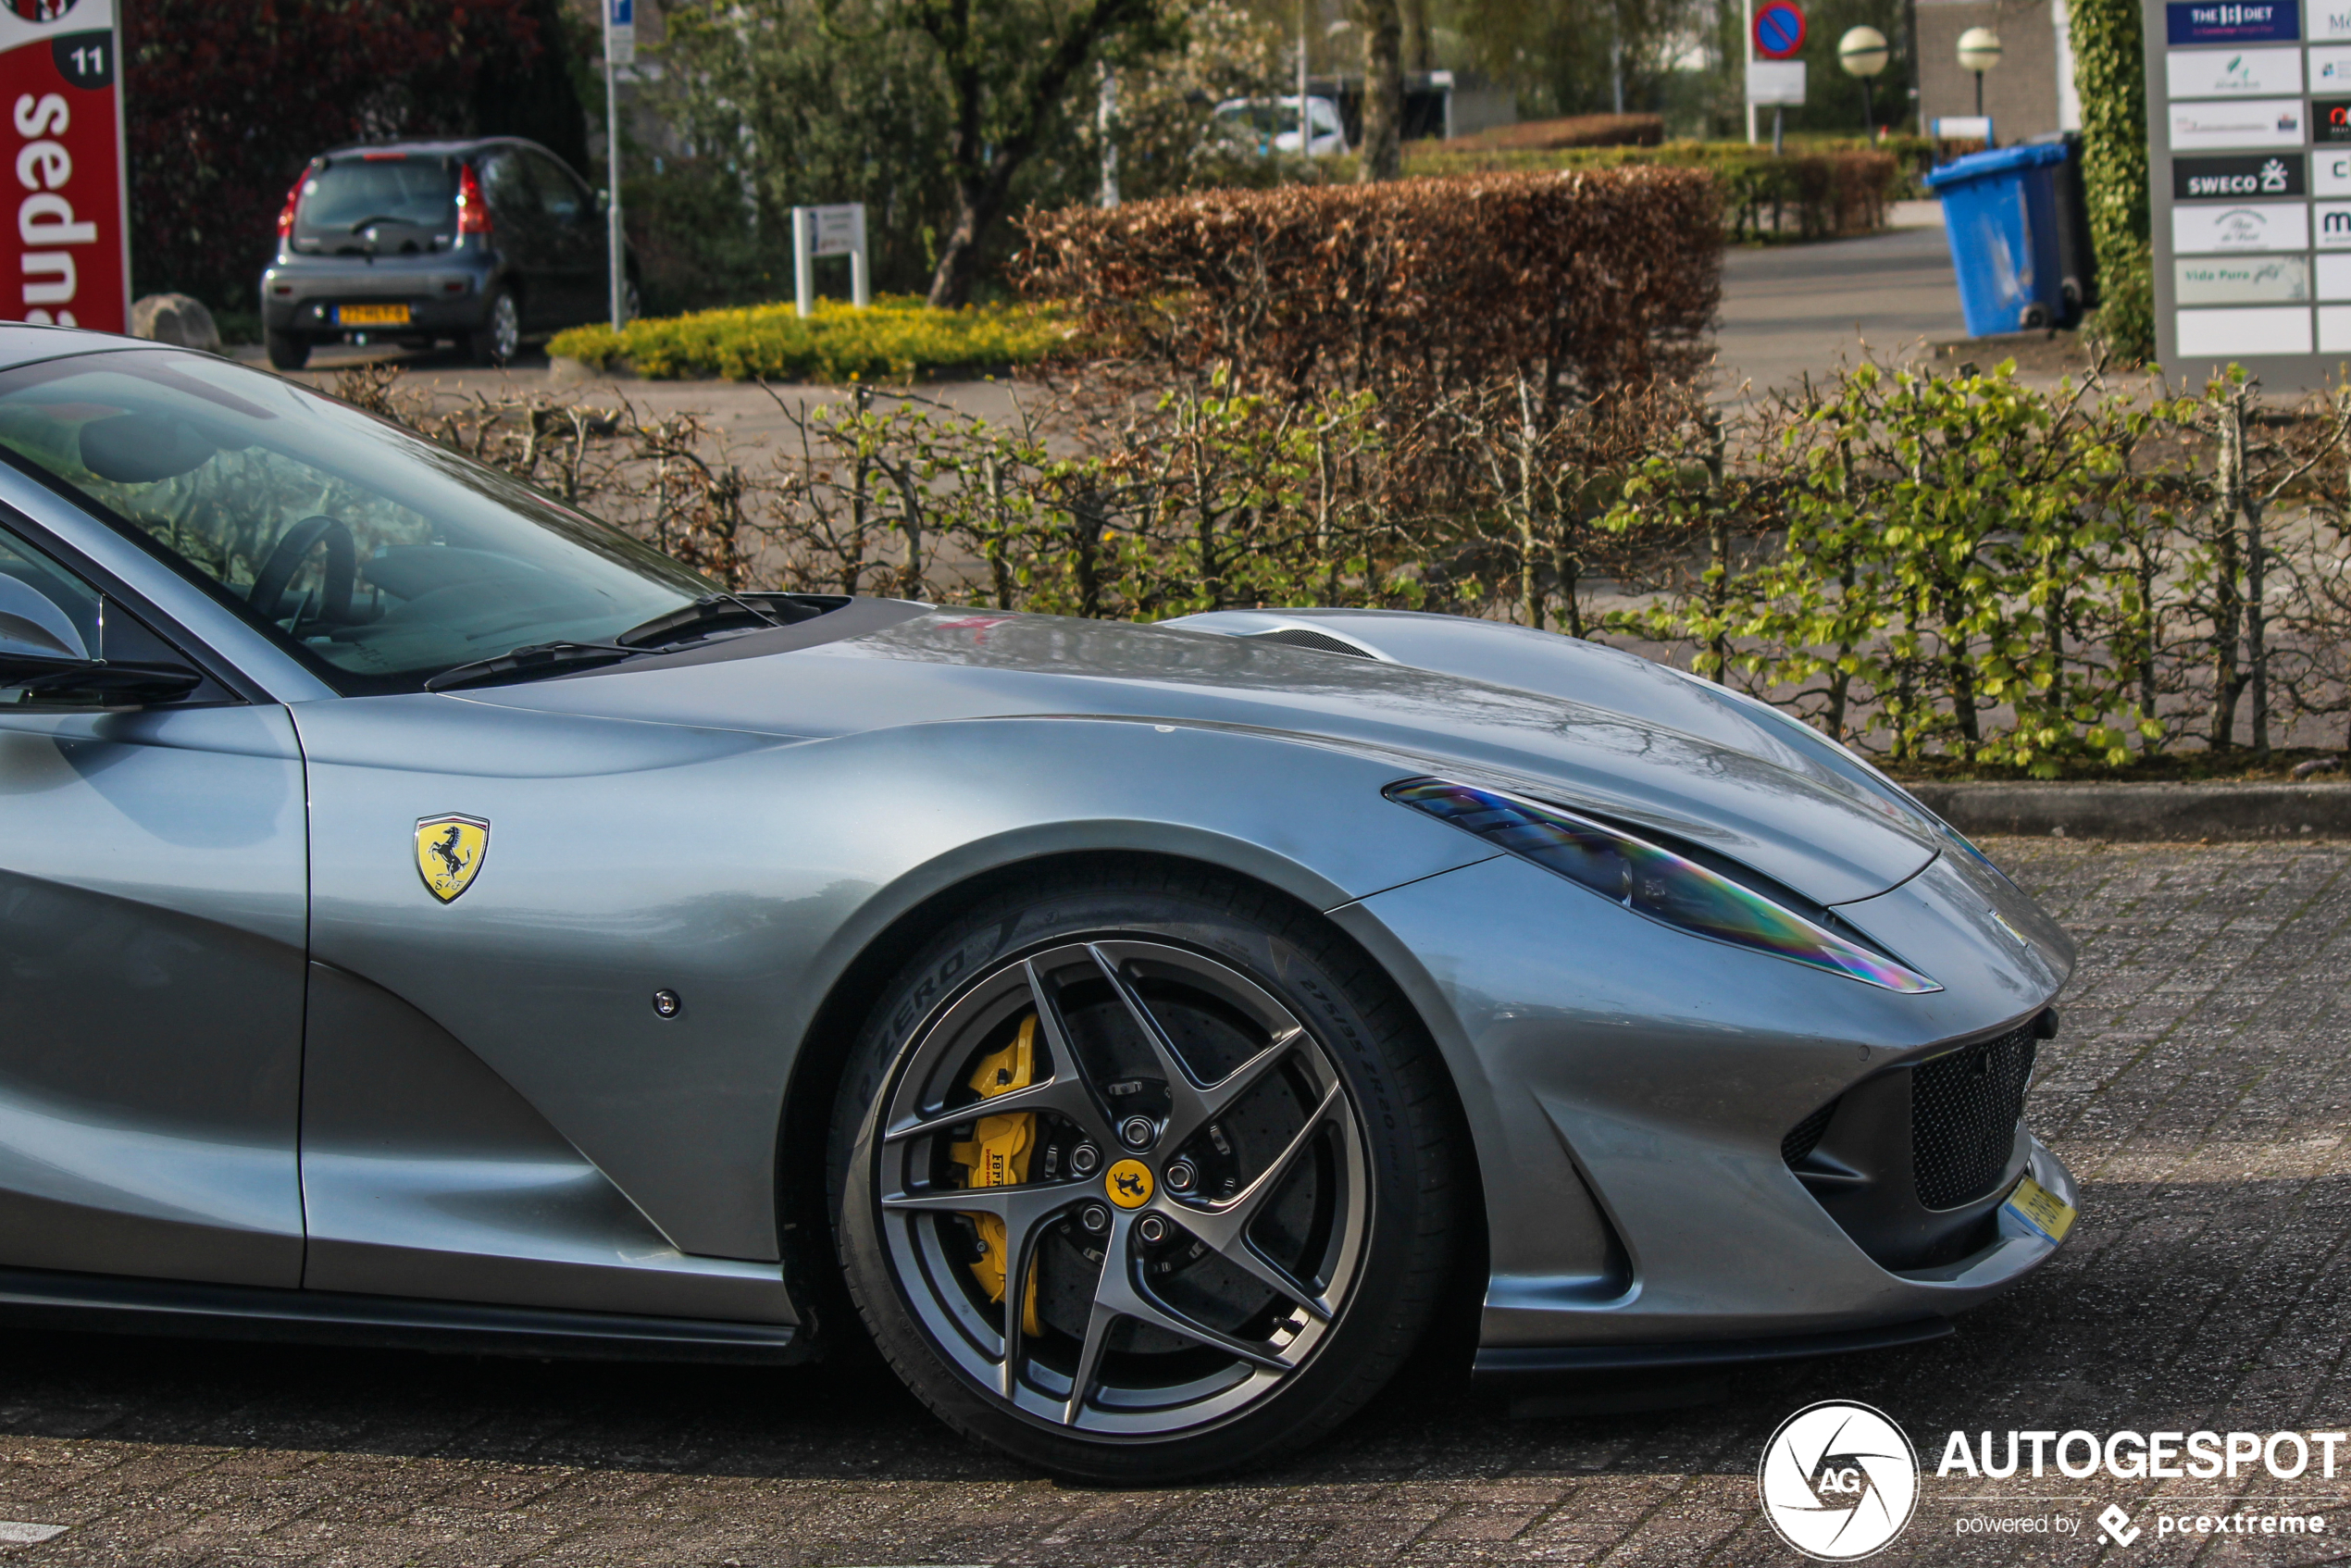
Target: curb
(2152, 812)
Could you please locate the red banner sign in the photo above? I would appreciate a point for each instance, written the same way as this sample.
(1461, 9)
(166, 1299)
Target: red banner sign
(68, 252)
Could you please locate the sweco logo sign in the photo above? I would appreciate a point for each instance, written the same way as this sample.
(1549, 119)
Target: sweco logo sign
(1838, 1481)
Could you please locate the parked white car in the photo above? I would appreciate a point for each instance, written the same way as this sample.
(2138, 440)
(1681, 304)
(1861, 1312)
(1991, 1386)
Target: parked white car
(1270, 125)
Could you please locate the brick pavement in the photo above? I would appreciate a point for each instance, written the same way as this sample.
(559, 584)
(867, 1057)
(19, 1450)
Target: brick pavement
(2200, 1091)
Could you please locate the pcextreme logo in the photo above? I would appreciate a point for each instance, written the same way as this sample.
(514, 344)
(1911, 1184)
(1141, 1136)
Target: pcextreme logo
(1838, 1481)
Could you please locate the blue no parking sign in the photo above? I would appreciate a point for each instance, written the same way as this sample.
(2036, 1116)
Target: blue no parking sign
(1779, 30)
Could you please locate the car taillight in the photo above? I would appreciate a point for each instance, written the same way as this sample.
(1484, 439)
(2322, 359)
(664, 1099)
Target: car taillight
(473, 213)
(293, 199)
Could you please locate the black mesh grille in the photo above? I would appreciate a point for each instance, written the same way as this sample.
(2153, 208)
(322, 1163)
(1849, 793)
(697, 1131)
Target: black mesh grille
(1299, 637)
(1806, 1135)
(1964, 1108)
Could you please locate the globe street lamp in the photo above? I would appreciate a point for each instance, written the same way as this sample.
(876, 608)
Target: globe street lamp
(1979, 52)
(1862, 53)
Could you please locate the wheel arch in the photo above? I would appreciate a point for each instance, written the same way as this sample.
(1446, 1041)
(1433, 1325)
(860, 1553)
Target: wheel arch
(805, 1237)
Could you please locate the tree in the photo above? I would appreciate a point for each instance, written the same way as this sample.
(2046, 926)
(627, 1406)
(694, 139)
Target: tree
(1382, 151)
(777, 109)
(226, 103)
(1009, 67)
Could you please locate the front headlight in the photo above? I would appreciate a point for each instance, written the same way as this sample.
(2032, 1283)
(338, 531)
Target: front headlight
(1652, 880)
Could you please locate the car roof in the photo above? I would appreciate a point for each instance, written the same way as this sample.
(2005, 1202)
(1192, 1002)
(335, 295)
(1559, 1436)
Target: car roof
(439, 147)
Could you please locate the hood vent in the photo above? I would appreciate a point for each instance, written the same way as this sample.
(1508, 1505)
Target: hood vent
(1300, 637)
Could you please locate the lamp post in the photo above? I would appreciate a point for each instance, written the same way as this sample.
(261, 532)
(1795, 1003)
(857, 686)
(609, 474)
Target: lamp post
(1979, 52)
(1862, 53)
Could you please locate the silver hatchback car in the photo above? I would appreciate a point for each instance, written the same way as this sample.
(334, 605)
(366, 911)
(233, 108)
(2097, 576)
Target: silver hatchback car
(479, 243)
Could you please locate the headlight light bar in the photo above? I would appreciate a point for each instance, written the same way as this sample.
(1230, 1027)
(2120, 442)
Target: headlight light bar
(1652, 880)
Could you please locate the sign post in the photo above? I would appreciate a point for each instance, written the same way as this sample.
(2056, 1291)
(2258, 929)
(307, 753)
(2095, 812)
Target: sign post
(60, 76)
(1776, 33)
(834, 231)
(621, 49)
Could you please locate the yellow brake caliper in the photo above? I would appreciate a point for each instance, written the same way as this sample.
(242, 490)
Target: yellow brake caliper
(998, 1156)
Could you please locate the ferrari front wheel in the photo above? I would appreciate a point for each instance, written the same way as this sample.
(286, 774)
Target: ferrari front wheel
(1143, 1177)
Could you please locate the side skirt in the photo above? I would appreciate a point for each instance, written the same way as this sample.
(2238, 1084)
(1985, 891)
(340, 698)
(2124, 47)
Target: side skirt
(101, 1303)
(1502, 1364)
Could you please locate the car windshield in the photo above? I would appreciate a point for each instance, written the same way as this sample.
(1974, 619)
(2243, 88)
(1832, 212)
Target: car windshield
(354, 193)
(379, 558)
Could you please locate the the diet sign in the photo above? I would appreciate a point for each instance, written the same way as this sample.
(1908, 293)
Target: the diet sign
(69, 249)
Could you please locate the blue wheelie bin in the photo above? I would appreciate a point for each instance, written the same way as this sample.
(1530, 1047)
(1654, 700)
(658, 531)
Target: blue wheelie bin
(2000, 210)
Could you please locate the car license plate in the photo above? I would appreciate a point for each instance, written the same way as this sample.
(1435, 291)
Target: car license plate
(2040, 1209)
(372, 316)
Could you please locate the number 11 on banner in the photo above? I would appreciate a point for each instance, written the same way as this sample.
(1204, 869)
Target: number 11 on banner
(70, 263)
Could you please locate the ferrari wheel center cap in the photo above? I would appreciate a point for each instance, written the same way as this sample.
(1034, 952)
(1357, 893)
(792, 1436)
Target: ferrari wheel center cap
(1128, 1183)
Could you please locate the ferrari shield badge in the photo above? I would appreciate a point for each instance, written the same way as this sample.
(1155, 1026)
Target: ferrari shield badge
(449, 851)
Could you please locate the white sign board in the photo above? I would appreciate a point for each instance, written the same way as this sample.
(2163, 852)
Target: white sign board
(1775, 82)
(620, 32)
(2266, 122)
(2233, 73)
(833, 230)
(2334, 277)
(2235, 228)
(2333, 222)
(839, 230)
(2220, 280)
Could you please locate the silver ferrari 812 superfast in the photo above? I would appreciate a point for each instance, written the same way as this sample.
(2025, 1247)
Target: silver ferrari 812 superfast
(429, 916)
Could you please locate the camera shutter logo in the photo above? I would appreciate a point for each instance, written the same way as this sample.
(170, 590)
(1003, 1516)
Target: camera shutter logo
(1838, 1481)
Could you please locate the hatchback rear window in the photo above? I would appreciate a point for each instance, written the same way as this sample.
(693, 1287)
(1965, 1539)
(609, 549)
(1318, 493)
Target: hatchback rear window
(352, 195)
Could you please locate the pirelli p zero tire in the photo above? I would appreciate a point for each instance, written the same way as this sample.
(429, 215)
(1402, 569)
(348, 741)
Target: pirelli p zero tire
(1143, 1173)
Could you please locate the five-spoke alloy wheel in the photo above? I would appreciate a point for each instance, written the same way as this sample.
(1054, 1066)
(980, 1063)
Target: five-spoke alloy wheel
(1114, 1198)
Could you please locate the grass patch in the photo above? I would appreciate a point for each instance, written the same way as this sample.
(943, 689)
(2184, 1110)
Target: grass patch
(899, 339)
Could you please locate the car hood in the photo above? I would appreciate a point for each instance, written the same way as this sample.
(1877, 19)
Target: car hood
(1571, 721)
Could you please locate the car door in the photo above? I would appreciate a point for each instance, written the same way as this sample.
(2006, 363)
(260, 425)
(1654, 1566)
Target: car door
(485, 1084)
(520, 224)
(576, 238)
(153, 919)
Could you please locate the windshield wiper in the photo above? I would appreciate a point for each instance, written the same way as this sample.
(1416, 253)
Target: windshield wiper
(533, 659)
(698, 618)
(546, 658)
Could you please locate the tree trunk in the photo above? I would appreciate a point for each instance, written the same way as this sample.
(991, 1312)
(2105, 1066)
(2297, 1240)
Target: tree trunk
(1424, 41)
(951, 285)
(2227, 603)
(1382, 151)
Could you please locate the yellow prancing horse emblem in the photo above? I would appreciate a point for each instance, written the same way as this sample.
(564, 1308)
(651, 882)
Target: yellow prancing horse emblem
(1128, 1184)
(449, 851)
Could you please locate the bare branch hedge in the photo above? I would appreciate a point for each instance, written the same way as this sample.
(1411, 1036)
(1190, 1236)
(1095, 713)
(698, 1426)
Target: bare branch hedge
(1581, 282)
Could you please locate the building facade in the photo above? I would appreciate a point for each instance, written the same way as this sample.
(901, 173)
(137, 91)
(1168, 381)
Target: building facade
(2028, 93)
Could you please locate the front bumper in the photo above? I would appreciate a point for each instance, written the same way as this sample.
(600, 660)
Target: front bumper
(1630, 1093)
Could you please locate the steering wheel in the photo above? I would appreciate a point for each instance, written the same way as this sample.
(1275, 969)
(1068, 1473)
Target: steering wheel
(286, 557)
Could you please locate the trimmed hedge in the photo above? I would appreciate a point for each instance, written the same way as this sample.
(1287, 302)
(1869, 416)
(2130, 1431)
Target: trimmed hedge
(1595, 277)
(1819, 190)
(1575, 130)
(899, 339)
